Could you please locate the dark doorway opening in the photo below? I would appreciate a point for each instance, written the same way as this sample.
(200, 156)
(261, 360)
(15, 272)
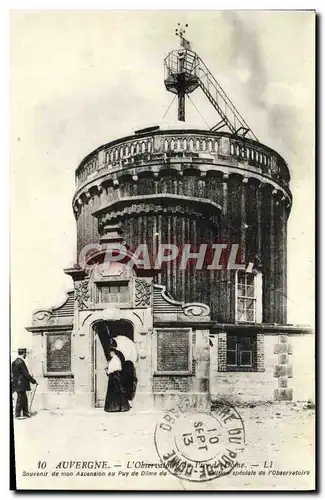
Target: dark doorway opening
(105, 333)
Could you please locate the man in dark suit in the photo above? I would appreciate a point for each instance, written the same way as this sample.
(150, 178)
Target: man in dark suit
(21, 380)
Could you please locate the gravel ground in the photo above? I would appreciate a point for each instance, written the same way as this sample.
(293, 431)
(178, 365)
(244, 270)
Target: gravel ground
(279, 433)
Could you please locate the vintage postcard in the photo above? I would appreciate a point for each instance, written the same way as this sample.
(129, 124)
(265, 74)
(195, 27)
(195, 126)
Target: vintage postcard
(162, 250)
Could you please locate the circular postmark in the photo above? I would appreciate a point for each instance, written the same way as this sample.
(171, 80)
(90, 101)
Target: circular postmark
(200, 445)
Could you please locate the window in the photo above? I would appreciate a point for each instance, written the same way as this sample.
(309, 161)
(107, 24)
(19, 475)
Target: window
(114, 292)
(249, 290)
(246, 297)
(241, 352)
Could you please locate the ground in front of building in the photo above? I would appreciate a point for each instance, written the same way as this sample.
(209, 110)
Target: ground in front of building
(278, 454)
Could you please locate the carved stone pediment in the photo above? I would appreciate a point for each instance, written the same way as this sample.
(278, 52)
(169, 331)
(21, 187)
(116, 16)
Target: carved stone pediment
(62, 314)
(110, 271)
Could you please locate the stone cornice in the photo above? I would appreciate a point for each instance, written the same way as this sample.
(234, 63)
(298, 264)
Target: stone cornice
(215, 328)
(157, 203)
(161, 198)
(76, 273)
(46, 328)
(177, 169)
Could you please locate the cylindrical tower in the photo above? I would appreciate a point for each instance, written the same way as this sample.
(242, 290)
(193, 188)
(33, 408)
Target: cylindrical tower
(193, 187)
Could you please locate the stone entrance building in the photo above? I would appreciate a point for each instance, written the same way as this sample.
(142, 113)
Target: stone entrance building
(216, 333)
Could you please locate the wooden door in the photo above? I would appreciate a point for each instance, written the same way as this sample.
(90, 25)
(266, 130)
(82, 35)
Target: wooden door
(99, 372)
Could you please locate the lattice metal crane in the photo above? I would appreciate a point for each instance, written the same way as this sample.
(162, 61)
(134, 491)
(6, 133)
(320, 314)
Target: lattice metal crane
(185, 71)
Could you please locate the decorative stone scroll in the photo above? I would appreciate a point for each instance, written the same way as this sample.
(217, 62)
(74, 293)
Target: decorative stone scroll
(42, 315)
(142, 296)
(165, 307)
(58, 353)
(194, 309)
(82, 294)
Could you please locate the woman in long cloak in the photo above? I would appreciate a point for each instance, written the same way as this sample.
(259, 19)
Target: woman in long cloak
(128, 355)
(116, 398)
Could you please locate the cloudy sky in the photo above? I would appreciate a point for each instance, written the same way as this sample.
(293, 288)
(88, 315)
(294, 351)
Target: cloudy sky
(80, 79)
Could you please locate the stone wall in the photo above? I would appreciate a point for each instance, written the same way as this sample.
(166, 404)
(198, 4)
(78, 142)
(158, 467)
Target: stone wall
(242, 387)
(169, 388)
(287, 374)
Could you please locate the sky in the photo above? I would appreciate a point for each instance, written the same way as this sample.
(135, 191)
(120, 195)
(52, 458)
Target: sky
(82, 78)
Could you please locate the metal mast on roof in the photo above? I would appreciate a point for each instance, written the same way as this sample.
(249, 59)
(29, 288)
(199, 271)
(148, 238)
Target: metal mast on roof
(185, 71)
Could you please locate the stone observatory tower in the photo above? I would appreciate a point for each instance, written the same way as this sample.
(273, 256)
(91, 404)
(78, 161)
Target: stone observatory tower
(181, 250)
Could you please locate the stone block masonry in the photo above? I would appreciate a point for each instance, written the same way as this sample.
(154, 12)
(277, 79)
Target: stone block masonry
(283, 370)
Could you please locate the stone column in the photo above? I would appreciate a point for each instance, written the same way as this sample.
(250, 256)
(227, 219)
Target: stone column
(81, 364)
(201, 357)
(36, 365)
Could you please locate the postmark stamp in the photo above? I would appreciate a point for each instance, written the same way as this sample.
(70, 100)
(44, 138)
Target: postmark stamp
(200, 445)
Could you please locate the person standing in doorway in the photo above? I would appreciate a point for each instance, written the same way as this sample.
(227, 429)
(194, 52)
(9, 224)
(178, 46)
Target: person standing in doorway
(129, 378)
(21, 380)
(116, 398)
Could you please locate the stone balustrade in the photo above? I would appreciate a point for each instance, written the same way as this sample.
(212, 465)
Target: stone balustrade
(208, 147)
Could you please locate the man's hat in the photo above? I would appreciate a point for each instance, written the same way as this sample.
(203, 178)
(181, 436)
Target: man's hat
(22, 350)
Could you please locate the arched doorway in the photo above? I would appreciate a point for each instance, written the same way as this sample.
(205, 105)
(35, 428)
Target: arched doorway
(105, 333)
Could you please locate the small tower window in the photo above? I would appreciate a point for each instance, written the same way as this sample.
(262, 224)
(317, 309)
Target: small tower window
(114, 293)
(248, 297)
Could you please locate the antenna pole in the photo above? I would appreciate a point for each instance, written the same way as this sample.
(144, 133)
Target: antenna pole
(181, 91)
(181, 106)
(181, 82)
